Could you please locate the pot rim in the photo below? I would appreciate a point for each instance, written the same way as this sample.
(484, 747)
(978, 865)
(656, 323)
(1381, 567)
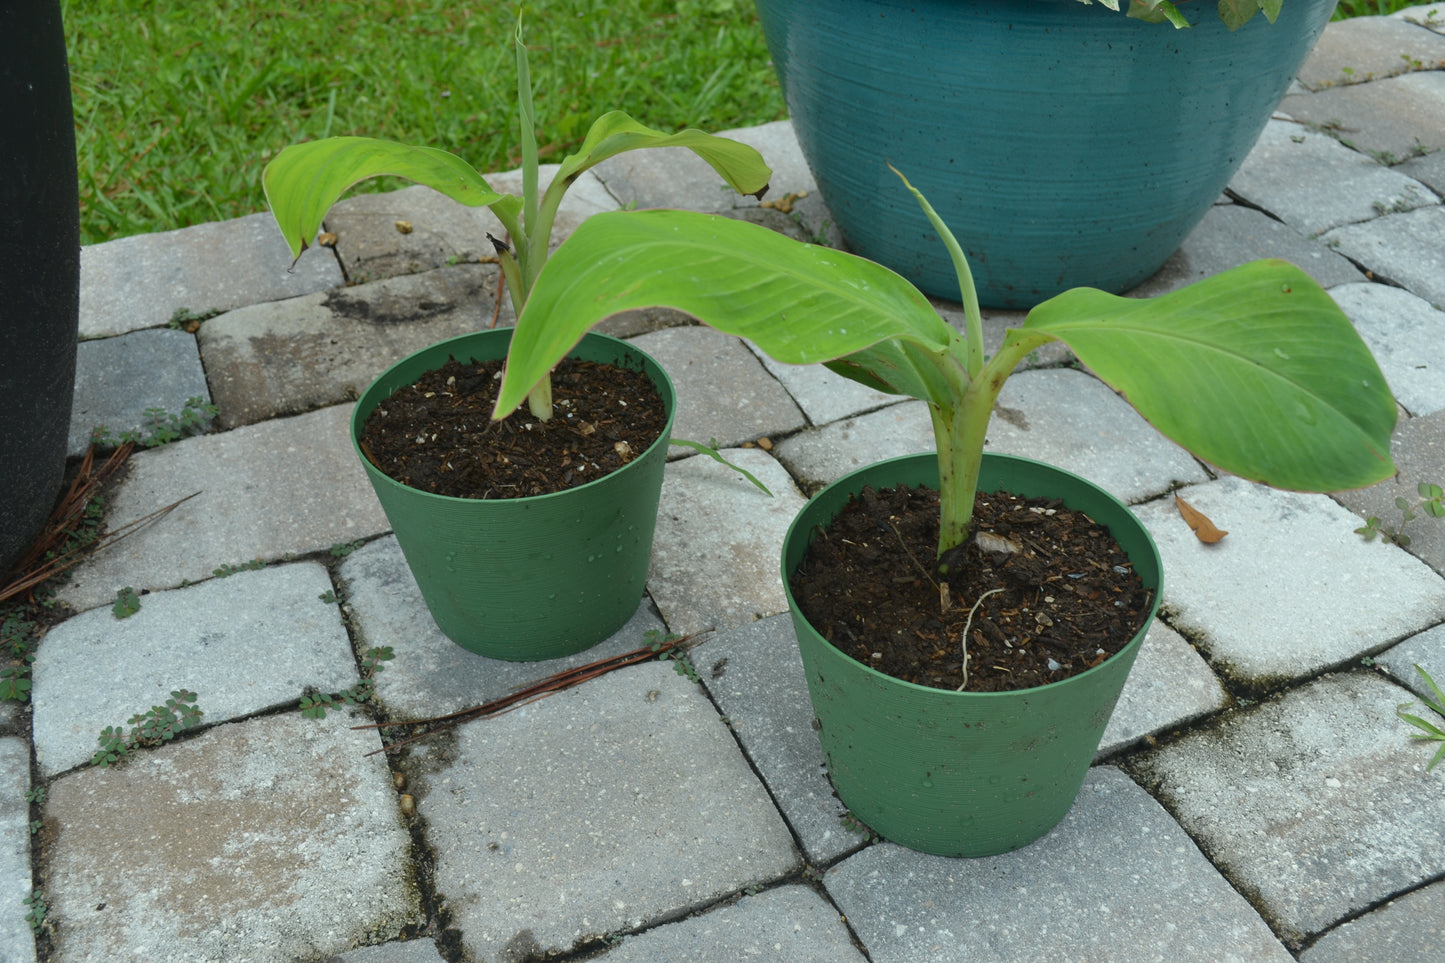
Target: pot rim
(666, 389)
(929, 691)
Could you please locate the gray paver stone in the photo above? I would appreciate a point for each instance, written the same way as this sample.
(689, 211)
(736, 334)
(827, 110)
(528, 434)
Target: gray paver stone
(287, 357)
(432, 675)
(1292, 589)
(719, 541)
(1411, 927)
(822, 456)
(1404, 248)
(1313, 182)
(118, 379)
(1393, 118)
(216, 639)
(755, 675)
(1427, 650)
(822, 395)
(141, 281)
(1428, 170)
(442, 231)
(617, 804)
(17, 944)
(723, 391)
(1404, 334)
(1116, 880)
(412, 951)
(1316, 803)
(1430, 15)
(292, 485)
(274, 839)
(789, 923)
(1060, 416)
(1169, 685)
(1231, 235)
(1072, 420)
(1419, 452)
(1365, 48)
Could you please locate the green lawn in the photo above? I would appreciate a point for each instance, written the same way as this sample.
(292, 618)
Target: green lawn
(179, 105)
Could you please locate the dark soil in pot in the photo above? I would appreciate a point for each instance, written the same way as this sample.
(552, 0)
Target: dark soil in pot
(437, 435)
(1069, 599)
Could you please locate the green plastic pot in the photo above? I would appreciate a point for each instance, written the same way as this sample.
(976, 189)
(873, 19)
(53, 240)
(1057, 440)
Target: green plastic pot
(524, 579)
(961, 773)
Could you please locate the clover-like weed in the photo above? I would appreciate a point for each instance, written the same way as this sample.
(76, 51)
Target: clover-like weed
(158, 725)
(315, 704)
(1431, 502)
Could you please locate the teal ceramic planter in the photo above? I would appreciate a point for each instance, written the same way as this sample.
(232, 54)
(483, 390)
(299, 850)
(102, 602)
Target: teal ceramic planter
(1064, 144)
(962, 773)
(525, 579)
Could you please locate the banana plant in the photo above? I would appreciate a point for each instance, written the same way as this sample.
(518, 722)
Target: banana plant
(304, 180)
(1255, 370)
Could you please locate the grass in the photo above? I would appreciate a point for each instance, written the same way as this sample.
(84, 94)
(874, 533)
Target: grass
(178, 106)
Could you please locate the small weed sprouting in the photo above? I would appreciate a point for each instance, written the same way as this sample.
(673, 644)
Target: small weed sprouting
(711, 451)
(184, 319)
(1431, 502)
(343, 549)
(855, 825)
(329, 597)
(152, 728)
(127, 603)
(17, 642)
(680, 661)
(160, 426)
(1428, 730)
(227, 570)
(36, 795)
(35, 910)
(315, 704)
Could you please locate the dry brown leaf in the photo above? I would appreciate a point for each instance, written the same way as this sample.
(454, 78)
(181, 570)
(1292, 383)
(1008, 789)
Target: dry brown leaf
(1202, 527)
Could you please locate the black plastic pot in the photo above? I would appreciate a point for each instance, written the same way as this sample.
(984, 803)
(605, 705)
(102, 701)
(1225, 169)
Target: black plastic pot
(39, 268)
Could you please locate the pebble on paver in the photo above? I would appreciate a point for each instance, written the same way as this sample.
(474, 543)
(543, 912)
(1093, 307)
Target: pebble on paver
(1115, 876)
(215, 639)
(617, 804)
(1316, 804)
(262, 841)
(1329, 596)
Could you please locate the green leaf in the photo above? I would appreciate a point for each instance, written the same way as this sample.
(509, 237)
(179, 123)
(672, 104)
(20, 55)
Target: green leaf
(127, 603)
(304, 180)
(800, 303)
(1236, 13)
(615, 132)
(716, 456)
(1255, 370)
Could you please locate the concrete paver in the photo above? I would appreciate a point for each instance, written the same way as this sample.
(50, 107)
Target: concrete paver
(600, 809)
(117, 380)
(1338, 596)
(1116, 876)
(96, 670)
(789, 923)
(1402, 248)
(1409, 928)
(1315, 804)
(1403, 333)
(142, 281)
(17, 944)
(288, 357)
(289, 486)
(273, 839)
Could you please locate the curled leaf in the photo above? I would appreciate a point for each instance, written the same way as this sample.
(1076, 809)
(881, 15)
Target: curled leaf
(1198, 522)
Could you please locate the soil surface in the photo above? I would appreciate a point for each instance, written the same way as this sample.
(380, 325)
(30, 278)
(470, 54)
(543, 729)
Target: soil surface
(438, 435)
(1070, 598)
